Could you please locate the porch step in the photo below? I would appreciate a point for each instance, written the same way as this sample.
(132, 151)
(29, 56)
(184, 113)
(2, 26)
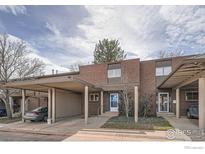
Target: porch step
(169, 114)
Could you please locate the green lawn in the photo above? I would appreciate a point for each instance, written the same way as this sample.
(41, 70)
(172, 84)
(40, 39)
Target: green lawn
(150, 123)
(6, 120)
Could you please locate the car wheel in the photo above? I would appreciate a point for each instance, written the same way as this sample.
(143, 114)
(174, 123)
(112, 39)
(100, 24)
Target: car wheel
(45, 118)
(189, 115)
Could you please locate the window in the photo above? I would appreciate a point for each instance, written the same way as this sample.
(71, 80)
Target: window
(114, 73)
(191, 95)
(94, 97)
(163, 71)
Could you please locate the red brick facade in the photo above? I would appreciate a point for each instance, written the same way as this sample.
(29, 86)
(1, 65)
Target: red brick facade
(133, 72)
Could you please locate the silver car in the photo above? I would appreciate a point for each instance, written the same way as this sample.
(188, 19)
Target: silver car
(38, 114)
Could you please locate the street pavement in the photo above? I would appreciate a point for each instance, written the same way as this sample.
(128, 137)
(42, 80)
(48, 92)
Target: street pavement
(16, 136)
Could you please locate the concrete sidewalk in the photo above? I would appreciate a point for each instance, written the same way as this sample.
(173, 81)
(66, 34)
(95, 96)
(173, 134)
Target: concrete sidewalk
(121, 135)
(67, 126)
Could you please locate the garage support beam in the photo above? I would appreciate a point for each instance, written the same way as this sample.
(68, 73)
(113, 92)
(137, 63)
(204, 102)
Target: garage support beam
(177, 103)
(53, 105)
(86, 104)
(136, 103)
(101, 102)
(23, 104)
(202, 103)
(49, 106)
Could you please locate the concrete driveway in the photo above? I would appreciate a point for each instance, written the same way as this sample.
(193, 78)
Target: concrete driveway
(68, 126)
(189, 126)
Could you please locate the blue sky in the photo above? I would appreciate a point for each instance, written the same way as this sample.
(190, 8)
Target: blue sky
(67, 34)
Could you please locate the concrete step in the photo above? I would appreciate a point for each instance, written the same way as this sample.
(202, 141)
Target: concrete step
(170, 114)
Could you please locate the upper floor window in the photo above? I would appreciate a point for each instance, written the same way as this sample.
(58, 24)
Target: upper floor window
(114, 73)
(191, 95)
(93, 97)
(163, 71)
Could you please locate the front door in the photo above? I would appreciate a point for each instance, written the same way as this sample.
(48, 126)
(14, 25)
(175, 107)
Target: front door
(163, 98)
(114, 102)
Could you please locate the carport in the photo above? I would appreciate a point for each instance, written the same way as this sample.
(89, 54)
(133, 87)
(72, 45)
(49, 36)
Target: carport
(67, 94)
(191, 71)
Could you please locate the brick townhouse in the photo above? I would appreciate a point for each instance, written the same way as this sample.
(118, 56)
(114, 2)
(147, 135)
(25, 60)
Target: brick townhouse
(172, 83)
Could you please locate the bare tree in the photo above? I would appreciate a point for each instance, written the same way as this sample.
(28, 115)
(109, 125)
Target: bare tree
(14, 63)
(126, 100)
(74, 67)
(166, 54)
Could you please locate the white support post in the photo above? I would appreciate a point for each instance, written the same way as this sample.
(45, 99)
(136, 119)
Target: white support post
(101, 102)
(86, 104)
(177, 103)
(202, 103)
(136, 103)
(49, 106)
(53, 105)
(23, 104)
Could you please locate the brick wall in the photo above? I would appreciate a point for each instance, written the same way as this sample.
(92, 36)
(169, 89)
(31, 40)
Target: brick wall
(97, 74)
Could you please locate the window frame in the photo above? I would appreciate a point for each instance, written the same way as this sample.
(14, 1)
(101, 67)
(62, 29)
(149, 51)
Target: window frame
(94, 97)
(162, 69)
(192, 91)
(114, 74)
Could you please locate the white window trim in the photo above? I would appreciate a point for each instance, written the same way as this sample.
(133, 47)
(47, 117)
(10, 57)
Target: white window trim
(114, 73)
(94, 98)
(163, 70)
(190, 100)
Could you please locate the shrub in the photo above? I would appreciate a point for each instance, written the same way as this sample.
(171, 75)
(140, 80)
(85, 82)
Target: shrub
(145, 105)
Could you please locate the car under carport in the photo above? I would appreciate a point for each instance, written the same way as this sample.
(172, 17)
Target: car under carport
(67, 94)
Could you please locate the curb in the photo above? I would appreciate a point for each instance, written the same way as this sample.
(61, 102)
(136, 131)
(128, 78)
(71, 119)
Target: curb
(35, 132)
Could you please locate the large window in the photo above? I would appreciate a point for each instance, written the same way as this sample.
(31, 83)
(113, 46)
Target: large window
(114, 73)
(191, 95)
(163, 71)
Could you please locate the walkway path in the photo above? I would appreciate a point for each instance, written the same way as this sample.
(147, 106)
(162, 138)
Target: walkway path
(188, 126)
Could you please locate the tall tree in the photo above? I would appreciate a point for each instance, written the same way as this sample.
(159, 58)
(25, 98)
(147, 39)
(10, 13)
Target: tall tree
(14, 63)
(108, 51)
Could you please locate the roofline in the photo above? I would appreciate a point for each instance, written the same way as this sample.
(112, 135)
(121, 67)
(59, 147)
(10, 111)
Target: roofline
(45, 76)
(186, 61)
(169, 58)
(111, 62)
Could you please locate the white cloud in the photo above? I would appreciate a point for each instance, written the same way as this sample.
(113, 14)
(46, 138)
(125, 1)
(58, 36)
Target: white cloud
(185, 24)
(134, 29)
(49, 66)
(14, 9)
(141, 31)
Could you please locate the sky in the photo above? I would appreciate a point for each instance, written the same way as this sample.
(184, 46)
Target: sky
(66, 35)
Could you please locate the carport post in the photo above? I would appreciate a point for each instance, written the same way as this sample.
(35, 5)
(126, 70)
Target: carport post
(136, 103)
(23, 104)
(49, 105)
(101, 102)
(53, 105)
(202, 103)
(177, 103)
(86, 104)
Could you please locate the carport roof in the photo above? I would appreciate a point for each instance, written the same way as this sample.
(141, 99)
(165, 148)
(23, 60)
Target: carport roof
(187, 72)
(68, 82)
